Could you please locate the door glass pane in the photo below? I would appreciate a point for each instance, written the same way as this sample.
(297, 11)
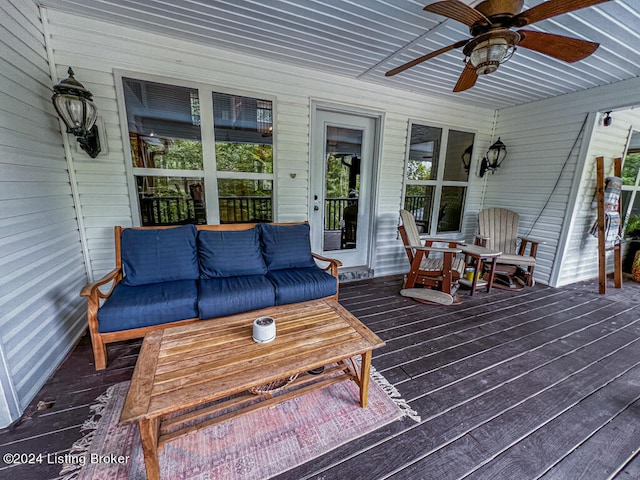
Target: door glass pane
(419, 201)
(245, 201)
(457, 144)
(450, 212)
(171, 200)
(424, 151)
(342, 188)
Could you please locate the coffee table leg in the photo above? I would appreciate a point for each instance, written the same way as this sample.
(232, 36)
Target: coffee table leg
(364, 378)
(149, 437)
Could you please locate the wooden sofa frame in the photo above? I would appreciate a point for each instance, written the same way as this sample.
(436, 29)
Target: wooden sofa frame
(94, 295)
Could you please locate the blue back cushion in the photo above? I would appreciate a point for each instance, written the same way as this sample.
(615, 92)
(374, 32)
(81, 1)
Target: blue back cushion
(230, 253)
(159, 255)
(286, 246)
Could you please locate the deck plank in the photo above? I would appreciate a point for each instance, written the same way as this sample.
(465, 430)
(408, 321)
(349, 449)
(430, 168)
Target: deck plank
(540, 383)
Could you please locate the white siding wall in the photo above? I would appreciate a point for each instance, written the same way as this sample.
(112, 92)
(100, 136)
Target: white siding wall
(95, 49)
(539, 137)
(609, 142)
(41, 314)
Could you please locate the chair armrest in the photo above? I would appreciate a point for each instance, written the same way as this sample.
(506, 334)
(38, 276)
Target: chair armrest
(533, 246)
(333, 263)
(429, 241)
(434, 249)
(537, 241)
(481, 240)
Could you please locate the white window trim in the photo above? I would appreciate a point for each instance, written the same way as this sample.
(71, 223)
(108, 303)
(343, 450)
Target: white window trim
(210, 174)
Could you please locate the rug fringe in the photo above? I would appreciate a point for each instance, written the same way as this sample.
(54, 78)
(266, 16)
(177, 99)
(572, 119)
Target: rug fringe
(394, 394)
(81, 447)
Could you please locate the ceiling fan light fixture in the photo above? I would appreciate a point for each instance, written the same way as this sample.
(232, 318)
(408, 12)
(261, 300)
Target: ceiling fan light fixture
(487, 56)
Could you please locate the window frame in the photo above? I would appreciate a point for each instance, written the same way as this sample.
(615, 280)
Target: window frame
(209, 174)
(439, 181)
(635, 188)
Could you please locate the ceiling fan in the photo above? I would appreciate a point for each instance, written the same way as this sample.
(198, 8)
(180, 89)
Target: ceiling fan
(493, 42)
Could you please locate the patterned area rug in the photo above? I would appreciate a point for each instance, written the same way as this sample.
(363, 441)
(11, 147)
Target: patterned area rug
(254, 446)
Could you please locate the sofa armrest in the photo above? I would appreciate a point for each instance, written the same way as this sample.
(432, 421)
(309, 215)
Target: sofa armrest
(332, 266)
(93, 289)
(94, 295)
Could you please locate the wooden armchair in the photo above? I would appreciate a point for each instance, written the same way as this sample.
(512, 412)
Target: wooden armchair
(436, 267)
(498, 230)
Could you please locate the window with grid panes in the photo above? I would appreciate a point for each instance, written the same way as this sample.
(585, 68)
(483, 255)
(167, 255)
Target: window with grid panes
(436, 180)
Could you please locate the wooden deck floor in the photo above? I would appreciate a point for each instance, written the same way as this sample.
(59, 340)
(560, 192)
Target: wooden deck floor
(539, 384)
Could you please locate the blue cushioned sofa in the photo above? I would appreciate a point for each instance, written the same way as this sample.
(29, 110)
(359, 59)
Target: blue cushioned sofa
(176, 275)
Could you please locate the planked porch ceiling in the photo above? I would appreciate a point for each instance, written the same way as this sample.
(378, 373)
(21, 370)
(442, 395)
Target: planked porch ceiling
(364, 39)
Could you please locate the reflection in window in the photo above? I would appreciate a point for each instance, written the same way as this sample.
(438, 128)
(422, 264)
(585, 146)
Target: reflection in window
(631, 178)
(451, 206)
(424, 151)
(164, 134)
(171, 200)
(418, 200)
(244, 157)
(245, 200)
(343, 150)
(457, 144)
(435, 191)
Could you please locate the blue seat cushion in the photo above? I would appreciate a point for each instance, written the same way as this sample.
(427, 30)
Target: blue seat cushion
(230, 253)
(145, 305)
(286, 246)
(159, 255)
(302, 284)
(218, 297)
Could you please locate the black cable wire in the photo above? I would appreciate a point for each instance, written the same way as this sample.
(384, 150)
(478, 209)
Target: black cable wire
(564, 165)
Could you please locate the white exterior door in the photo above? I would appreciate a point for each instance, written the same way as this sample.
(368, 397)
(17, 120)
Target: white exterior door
(342, 159)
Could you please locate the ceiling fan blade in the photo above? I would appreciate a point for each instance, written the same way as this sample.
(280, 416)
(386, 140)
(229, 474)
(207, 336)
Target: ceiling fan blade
(557, 46)
(459, 11)
(467, 78)
(424, 58)
(551, 9)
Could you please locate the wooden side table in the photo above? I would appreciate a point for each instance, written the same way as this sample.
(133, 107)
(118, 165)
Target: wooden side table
(481, 255)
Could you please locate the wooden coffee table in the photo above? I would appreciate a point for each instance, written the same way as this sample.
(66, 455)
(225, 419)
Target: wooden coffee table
(192, 370)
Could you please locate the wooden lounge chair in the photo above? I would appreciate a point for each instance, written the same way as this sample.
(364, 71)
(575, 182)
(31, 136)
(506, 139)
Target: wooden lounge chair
(437, 268)
(498, 230)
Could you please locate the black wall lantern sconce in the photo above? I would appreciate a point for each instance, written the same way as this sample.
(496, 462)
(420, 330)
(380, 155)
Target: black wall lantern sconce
(606, 121)
(494, 157)
(466, 157)
(74, 104)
